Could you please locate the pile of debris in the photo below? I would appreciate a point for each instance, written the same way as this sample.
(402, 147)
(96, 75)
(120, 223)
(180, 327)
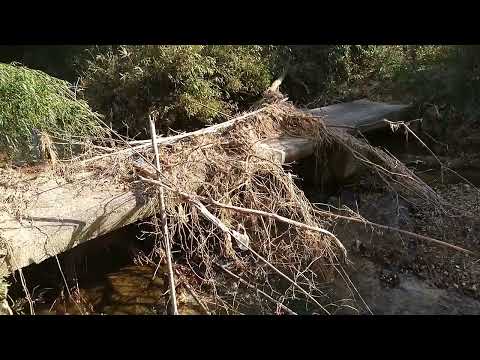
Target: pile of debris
(222, 204)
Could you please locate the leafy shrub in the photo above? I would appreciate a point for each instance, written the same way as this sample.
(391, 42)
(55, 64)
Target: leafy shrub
(331, 73)
(464, 80)
(447, 77)
(188, 85)
(31, 99)
(194, 85)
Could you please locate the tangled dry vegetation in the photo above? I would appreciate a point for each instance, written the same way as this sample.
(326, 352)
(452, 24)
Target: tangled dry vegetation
(233, 212)
(228, 206)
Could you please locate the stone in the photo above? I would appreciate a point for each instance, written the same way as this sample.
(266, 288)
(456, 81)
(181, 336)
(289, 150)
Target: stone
(389, 210)
(344, 166)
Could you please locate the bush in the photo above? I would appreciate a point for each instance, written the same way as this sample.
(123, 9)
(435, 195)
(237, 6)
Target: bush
(31, 99)
(345, 72)
(189, 86)
(311, 71)
(445, 76)
(464, 80)
(196, 85)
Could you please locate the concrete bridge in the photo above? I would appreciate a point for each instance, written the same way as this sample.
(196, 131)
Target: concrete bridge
(60, 215)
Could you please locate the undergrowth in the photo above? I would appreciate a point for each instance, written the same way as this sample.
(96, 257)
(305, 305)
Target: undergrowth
(188, 85)
(32, 100)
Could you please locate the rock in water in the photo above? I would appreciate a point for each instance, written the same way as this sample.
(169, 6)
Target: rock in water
(131, 291)
(389, 210)
(344, 166)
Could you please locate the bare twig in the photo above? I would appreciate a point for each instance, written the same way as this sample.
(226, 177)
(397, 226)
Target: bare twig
(27, 293)
(434, 140)
(255, 212)
(70, 297)
(409, 233)
(172, 139)
(396, 124)
(241, 237)
(163, 215)
(195, 296)
(24, 283)
(288, 310)
(442, 166)
(274, 268)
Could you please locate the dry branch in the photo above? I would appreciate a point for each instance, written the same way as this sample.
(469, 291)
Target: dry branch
(282, 306)
(144, 144)
(163, 215)
(240, 239)
(277, 217)
(443, 167)
(389, 228)
(194, 199)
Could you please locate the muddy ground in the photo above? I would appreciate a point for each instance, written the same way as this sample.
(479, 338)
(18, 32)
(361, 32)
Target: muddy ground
(397, 274)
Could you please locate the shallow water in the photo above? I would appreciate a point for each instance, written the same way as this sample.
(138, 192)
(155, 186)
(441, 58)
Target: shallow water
(128, 291)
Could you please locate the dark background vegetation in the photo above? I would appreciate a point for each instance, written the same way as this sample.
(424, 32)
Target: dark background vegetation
(191, 86)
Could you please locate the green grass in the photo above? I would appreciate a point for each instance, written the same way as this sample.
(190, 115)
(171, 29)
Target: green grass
(31, 99)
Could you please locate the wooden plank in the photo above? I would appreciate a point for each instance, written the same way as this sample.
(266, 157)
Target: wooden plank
(362, 115)
(57, 217)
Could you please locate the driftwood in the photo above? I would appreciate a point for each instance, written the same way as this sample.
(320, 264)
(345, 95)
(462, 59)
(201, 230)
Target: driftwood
(144, 144)
(65, 214)
(232, 171)
(361, 115)
(240, 237)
